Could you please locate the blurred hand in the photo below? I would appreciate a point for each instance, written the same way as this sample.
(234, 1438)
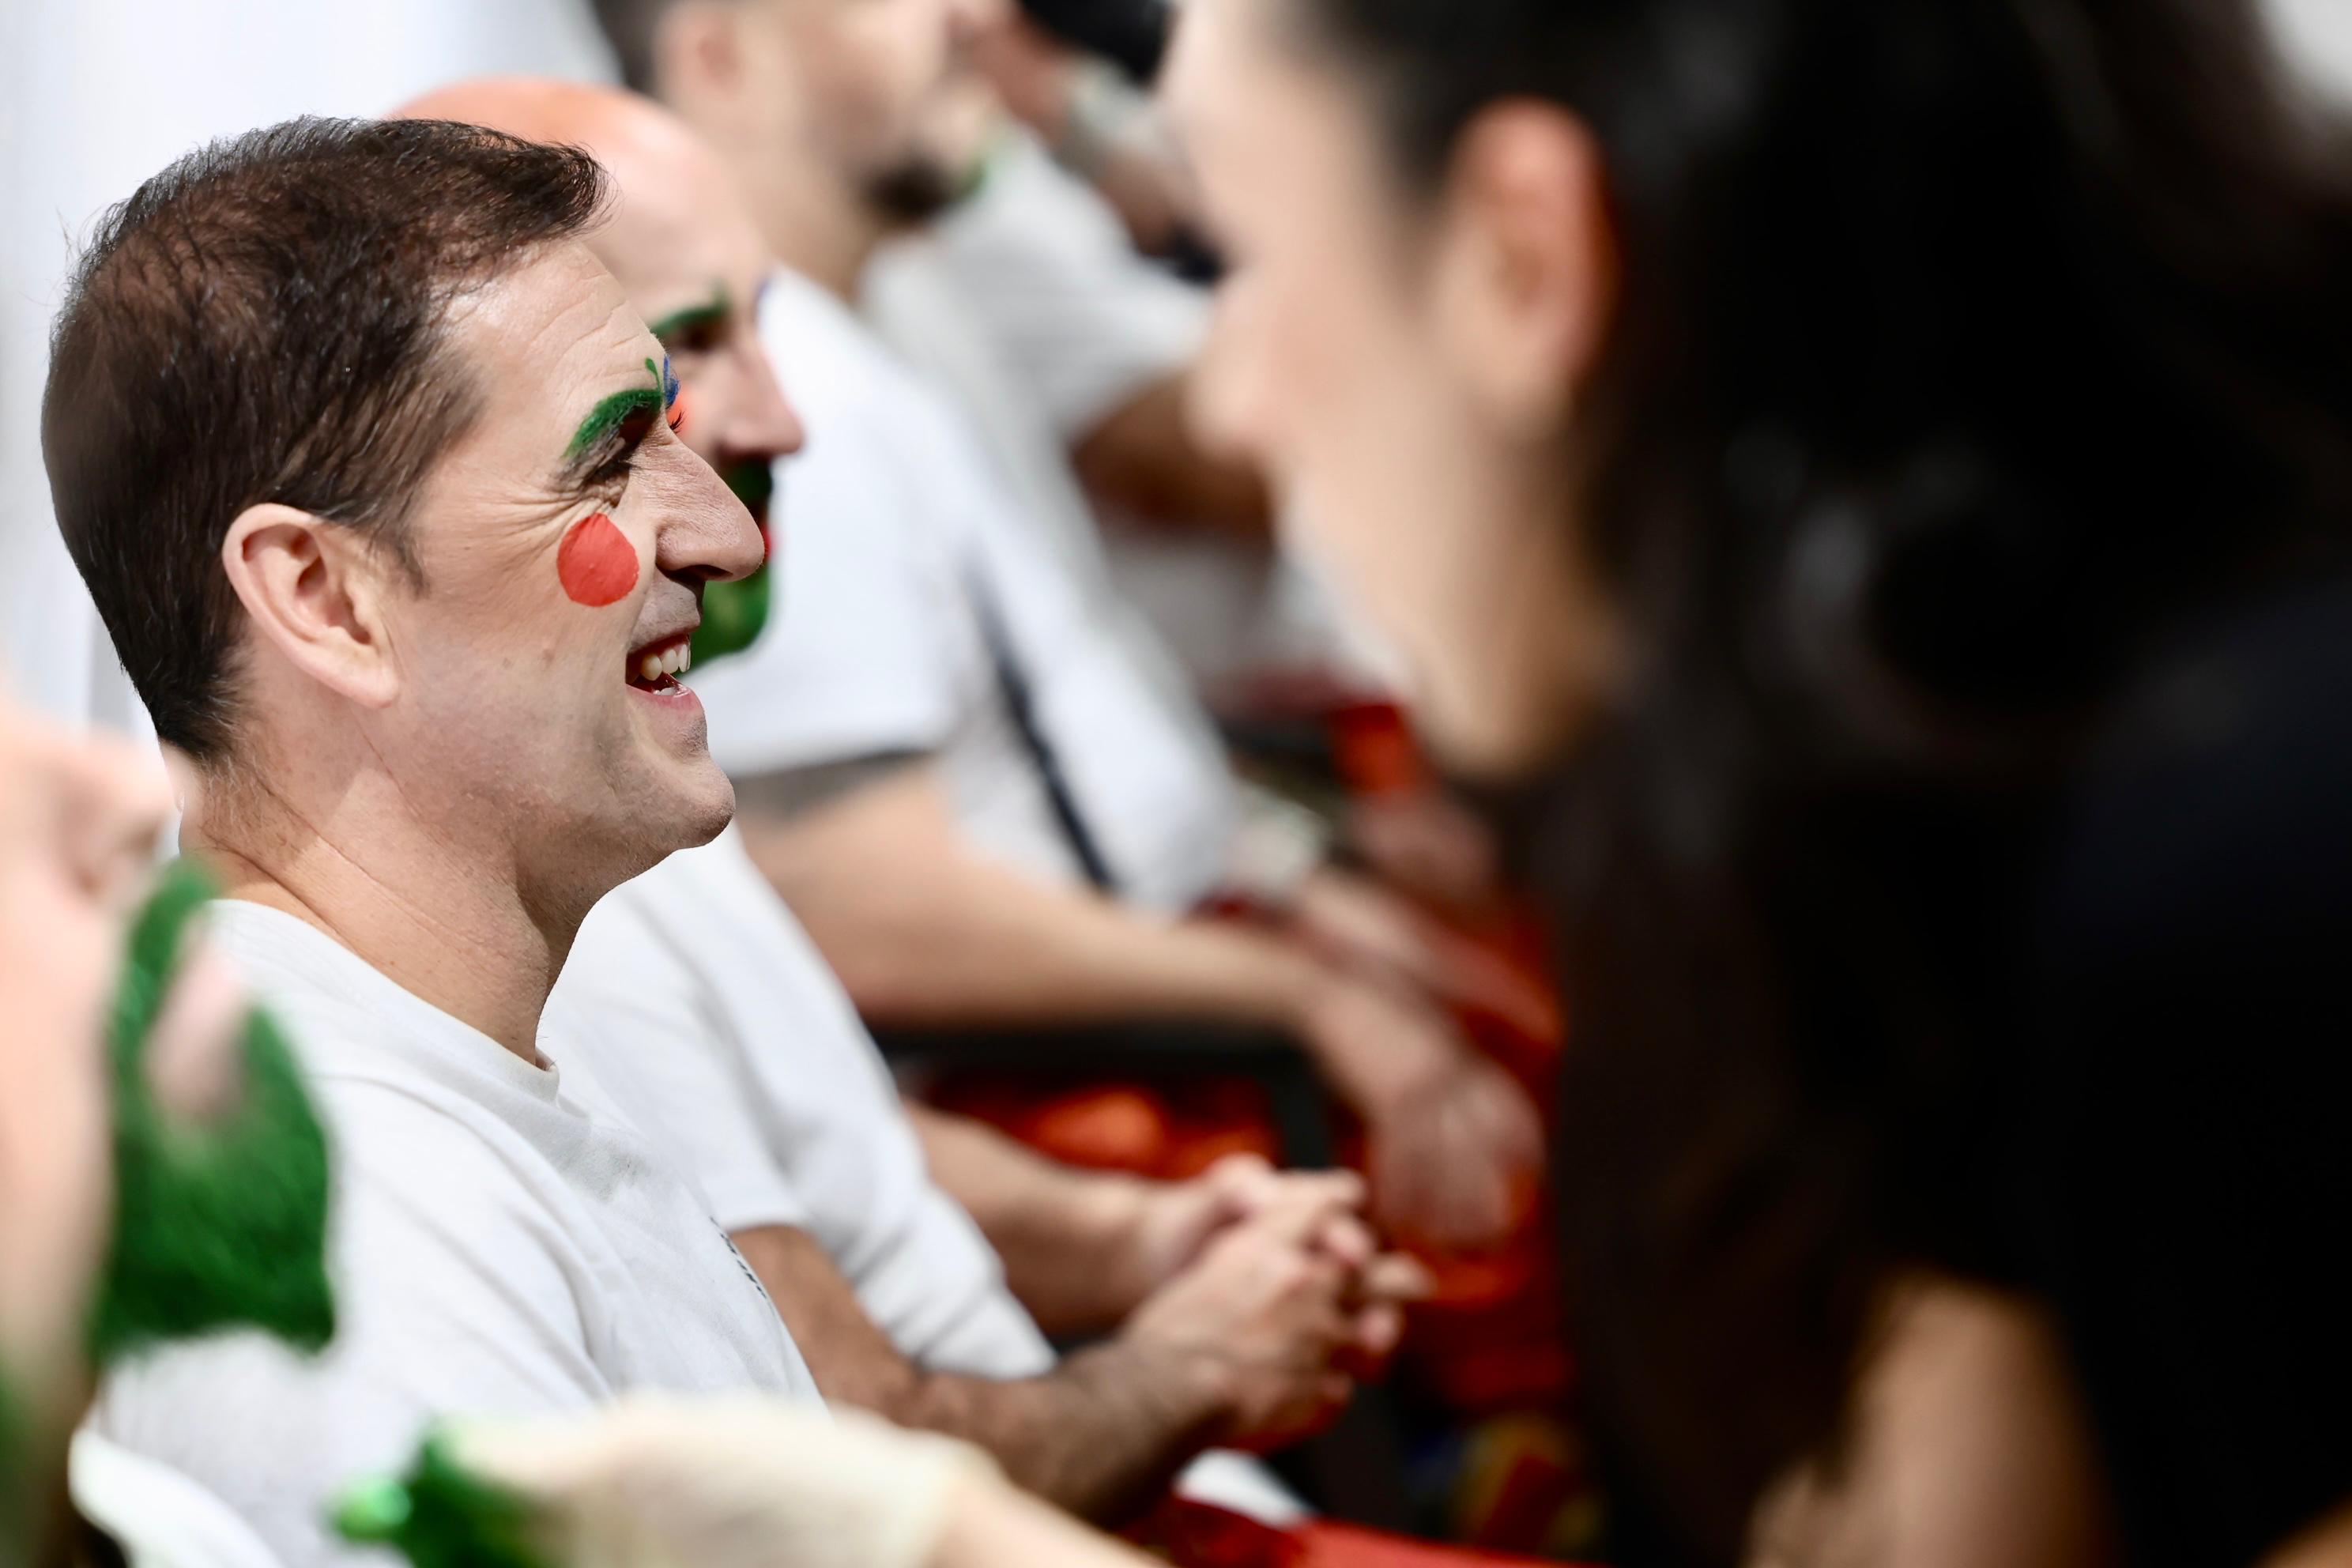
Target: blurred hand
(1456, 1145)
(1174, 1222)
(1457, 1165)
(740, 1482)
(1426, 841)
(1271, 1324)
(1179, 1219)
(1358, 924)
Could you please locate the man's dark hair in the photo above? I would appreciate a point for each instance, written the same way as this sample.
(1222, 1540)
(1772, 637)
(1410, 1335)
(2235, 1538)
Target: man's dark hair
(629, 27)
(265, 321)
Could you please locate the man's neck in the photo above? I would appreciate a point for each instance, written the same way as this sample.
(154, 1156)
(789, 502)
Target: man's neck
(445, 922)
(811, 226)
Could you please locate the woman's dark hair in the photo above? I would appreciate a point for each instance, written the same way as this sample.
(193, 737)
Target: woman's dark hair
(1966, 347)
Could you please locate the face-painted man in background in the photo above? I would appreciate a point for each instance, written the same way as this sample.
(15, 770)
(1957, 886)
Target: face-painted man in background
(694, 269)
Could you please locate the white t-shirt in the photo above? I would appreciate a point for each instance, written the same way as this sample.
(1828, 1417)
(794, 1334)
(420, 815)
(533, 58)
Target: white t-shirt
(158, 1517)
(694, 995)
(504, 1242)
(891, 521)
(1029, 304)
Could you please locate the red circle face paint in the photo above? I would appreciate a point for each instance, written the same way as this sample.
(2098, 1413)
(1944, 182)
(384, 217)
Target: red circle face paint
(596, 562)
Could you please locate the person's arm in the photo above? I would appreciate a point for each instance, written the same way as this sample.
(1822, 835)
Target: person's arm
(1249, 1347)
(1968, 1449)
(1141, 460)
(1098, 1436)
(923, 930)
(1082, 1249)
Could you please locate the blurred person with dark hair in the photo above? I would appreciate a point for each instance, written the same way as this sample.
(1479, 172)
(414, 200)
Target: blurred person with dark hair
(1878, 475)
(374, 477)
(987, 802)
(694, 995)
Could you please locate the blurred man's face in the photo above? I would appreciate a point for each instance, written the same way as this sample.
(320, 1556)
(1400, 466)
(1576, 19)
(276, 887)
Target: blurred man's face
(891, 98)
(694, 268)
(162, 1171)
(564, 543)
(77, 825)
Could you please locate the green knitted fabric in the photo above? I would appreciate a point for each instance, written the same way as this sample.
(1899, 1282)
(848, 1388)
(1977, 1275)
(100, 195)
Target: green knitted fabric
(439, 1516)
(219, 1225)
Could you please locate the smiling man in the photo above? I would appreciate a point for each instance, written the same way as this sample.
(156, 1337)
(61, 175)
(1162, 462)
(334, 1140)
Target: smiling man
(369, 468)
(693, 991)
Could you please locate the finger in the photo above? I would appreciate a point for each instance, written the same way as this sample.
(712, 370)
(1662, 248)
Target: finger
(1377, 1332)
(1240, 1178)
(1295, 1219)
(1406, 1199)
(1348, 1240)
(545, 1462)
(1396, 1276)
(1343, 1187)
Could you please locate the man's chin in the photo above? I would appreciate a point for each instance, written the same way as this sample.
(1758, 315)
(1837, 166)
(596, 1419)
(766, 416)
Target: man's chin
(702, 805)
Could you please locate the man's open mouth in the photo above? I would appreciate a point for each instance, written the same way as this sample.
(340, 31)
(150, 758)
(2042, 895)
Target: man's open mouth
(657, 665)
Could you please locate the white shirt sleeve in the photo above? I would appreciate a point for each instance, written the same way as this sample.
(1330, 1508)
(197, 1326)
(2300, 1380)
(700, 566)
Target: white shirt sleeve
(1083, 320)
(859, 656)
(449, 1300)
(666, 1045)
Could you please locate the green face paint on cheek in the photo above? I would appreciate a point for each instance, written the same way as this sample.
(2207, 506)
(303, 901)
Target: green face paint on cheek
(734, 614)
(217, 1225)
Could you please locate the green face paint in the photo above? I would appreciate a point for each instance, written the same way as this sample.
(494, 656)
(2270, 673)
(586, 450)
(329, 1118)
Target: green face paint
(439, 1516)
(695, 321)
(216, 1225)
(612, 413)
(609, 416)
(734, 614)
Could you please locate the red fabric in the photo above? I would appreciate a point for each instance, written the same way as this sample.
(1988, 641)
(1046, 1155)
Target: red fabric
(1490, 1337)
(1199, 1535)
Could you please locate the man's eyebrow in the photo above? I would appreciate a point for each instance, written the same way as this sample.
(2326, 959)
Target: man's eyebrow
(709, 314)
(597, 435)
(600, 433)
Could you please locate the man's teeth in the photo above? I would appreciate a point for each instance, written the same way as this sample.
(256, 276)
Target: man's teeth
(675, 660)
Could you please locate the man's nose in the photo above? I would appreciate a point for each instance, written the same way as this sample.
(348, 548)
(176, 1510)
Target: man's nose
(768, 425)
(709, 535)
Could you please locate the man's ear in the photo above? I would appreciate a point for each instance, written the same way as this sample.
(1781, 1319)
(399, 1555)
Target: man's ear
(1527, 264)
(317, 592)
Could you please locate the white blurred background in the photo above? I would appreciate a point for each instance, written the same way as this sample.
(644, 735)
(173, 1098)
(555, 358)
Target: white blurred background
(99, 94)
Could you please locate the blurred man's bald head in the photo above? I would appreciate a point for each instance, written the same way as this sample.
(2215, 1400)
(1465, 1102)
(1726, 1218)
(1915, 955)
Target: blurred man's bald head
(676, 201)
(683, 246)
(656, 159)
